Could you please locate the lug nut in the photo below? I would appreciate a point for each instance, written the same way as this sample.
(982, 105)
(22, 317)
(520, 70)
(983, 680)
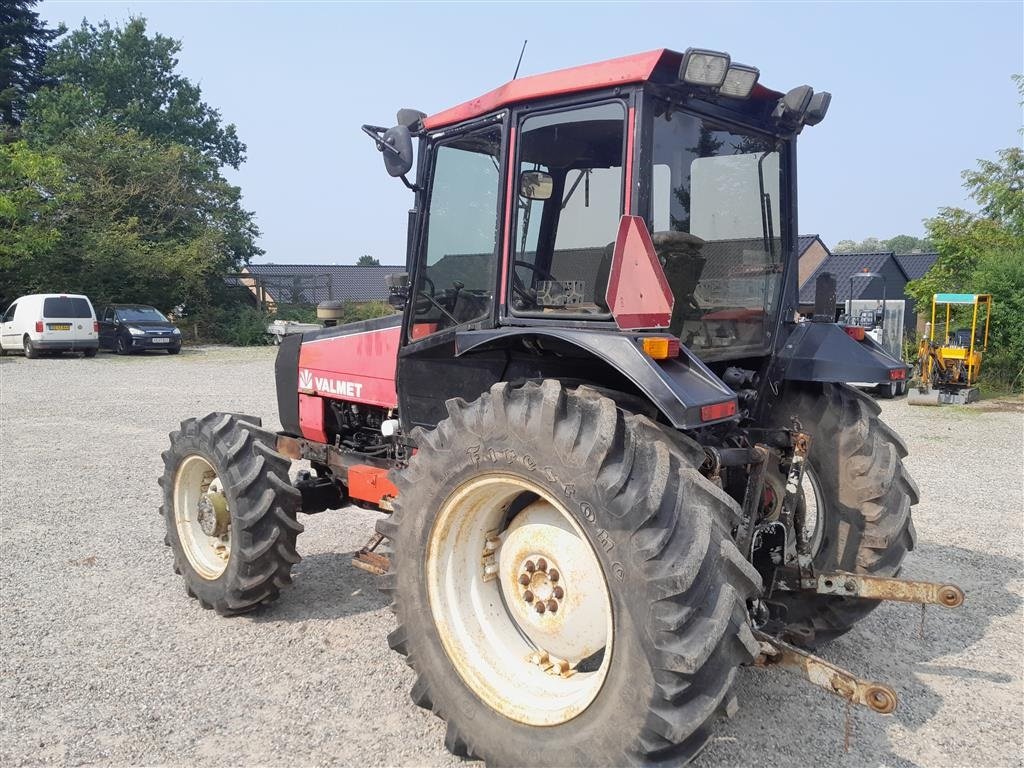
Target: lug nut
(524, 580)
(542, 564)
(552, 606)
(553, 574)
(539, 606)
(558, 592)
(528, 596)
(529, 566)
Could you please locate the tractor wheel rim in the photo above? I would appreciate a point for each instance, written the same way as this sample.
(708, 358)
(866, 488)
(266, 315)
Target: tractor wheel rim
(519, 607)
(814, 510)
(201, 517)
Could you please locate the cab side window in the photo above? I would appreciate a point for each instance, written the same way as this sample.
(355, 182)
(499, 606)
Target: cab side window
(9, 314)
(455, 282)
(108, 315)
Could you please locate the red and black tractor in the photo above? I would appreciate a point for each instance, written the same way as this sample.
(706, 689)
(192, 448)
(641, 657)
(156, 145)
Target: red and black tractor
(614, 463)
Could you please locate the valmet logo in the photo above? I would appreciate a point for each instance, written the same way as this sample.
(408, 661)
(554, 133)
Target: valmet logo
(324, 385)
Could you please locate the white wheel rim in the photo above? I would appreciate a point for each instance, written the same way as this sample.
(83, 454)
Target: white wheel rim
(208, 555)
(814, 509)
(520, 662)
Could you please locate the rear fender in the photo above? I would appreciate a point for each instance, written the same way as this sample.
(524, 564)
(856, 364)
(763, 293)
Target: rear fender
(678, 388)
(824, 352)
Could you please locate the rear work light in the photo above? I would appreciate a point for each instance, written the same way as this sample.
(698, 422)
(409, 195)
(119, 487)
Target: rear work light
(718, 411)
(707, 68)
(660, 347)
(739, 81)
(855, 332)
(897, 374)
(39, 326)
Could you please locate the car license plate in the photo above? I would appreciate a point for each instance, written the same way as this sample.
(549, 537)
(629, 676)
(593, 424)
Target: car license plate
(161, 341)
(59, 326)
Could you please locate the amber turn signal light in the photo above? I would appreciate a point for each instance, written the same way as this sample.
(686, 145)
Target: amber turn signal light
(660, 347)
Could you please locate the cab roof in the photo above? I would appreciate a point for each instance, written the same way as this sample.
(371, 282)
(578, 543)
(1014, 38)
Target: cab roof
(660, 65)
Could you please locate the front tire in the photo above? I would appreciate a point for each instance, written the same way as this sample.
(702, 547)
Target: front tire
(122, 346)
(860, 496)
(615, 490)
(230, 512)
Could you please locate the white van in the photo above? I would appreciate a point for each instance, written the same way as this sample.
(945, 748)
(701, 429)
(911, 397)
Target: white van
(50, 322)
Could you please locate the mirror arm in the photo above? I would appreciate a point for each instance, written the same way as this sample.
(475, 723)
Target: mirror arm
(375, 132)
(409, 184)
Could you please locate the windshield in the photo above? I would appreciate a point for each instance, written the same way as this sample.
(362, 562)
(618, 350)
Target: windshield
(715, 202)
(140, 315)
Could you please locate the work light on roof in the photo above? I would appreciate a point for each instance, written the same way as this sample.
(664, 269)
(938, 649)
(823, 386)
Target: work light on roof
(707, 68)
(739, 81)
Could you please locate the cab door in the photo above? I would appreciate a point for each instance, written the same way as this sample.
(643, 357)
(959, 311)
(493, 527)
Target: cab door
(455, 273)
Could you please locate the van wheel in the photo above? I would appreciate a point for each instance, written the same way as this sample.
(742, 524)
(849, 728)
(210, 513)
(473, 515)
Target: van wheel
(30, 348)
(121, 346)
(90, 353)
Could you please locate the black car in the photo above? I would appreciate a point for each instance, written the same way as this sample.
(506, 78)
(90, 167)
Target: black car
(128, 328)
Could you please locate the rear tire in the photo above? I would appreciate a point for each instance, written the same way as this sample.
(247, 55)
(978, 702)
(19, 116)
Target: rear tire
(249, 566)
(866, 495)
(173, 351)
(660, 532)
(29, 348)
(89, 353)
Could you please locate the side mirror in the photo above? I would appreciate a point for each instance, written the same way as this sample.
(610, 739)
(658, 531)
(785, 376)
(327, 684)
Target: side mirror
(397, 150)
(536, 185)
(398, 289)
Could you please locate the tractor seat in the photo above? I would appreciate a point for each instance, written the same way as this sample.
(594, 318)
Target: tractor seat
(671, 248)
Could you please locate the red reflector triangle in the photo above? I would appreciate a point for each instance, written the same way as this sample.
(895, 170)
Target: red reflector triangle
(638, 292)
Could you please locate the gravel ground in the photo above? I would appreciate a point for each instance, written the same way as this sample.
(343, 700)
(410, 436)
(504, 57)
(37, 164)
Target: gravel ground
(105, 660)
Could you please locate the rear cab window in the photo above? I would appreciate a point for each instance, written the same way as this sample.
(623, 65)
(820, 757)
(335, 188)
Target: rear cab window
(66, 306)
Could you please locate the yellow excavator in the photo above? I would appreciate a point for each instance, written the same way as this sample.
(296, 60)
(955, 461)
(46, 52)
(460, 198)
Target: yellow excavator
(949, 363)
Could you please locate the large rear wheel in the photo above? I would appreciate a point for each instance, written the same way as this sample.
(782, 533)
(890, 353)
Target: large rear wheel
(230, 512)
(565, 583)
(856, 498)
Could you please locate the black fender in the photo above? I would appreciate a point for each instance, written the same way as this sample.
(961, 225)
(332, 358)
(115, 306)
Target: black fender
(678, 387)
(824, 352)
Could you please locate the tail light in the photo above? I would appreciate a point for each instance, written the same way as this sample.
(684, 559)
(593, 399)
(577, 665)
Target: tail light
(718, 411)
(660, 347)
(855, 332)
(39, 326)
(897, 374)
(95, 326)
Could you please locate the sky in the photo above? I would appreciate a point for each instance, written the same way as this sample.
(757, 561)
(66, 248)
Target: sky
(920, 91)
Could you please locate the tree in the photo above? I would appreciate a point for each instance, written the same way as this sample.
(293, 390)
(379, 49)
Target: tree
(122, 75)
(897, 244)
(366, 260)
(119, 216)
(24, 42)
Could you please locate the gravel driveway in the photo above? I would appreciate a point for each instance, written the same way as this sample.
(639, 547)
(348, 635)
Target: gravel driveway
(106, 661)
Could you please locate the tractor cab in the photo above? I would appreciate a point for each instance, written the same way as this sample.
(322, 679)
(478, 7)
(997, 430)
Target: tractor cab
(521, 193)
(652, 194)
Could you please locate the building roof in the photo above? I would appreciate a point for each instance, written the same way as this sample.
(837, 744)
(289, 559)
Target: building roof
(660, 64)
(803, 242)
(915, 265)
(843, 266)
(313, 283)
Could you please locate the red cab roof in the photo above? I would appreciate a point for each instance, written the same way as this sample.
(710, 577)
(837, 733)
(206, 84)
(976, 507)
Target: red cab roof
(637, 68)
